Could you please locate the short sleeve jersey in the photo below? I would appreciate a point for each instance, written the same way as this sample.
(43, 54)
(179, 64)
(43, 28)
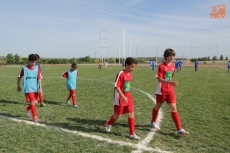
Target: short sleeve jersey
(123, 81)
(165, 72)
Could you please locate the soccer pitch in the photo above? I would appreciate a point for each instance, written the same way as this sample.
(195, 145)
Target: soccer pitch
(202, 101)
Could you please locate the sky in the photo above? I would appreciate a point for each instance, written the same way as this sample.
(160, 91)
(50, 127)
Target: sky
(113, 28)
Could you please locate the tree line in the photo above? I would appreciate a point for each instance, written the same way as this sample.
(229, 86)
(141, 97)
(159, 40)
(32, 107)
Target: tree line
(10, 59)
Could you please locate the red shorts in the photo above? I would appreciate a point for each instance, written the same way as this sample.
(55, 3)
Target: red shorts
(119, 110)
(168, 98)
(31, 96)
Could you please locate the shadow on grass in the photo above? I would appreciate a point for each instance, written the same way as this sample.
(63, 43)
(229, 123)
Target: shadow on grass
(53, 102)
(171, 134)
(9, 102)
(9, 115)
(87, 125)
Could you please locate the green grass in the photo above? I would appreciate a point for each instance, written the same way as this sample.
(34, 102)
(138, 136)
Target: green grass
(202, 100)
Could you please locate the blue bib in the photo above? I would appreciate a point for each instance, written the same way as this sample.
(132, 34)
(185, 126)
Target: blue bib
(30, 83)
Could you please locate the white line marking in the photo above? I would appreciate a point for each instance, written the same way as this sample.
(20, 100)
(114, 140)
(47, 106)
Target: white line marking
(140, 146)
(150, 136)
(122, 143)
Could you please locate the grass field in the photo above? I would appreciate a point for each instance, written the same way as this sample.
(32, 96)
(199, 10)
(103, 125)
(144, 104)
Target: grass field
(202, 99)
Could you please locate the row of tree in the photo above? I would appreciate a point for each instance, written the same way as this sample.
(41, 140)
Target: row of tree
(214, 58)
(10, 59)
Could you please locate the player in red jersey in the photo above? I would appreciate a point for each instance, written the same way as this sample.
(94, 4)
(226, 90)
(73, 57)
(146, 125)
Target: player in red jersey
(165, 91)
(123, 102)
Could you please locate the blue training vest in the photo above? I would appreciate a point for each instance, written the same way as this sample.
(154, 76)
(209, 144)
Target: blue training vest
(30, 83)
(71, 82)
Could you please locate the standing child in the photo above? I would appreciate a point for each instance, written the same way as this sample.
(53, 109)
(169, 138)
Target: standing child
(31, 85)
(123, 102)
(100, 63)
(40, 94)
(165, 91)
(228, 66)
(196, 63)
(71, 83)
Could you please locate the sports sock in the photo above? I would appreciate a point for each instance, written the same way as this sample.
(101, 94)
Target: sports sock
(131, 123)
(28, 108)
(70, 95)
(34, 111)
(154, 115)
(111, 120)
(176, 120)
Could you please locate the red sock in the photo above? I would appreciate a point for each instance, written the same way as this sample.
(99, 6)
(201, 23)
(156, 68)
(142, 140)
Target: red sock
(154, 115)
(34, 111)
(176, 120)
(28, 107)
(73, 97)
(40, 97)
(111, 120)
(70, 95)
(131, 123)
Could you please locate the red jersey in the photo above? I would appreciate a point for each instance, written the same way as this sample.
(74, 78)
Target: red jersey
(122, 81)
(21, 74)
(165, 72)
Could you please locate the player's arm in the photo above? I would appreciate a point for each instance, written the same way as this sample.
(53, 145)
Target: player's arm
(65, 75)
(21, 74)
(40, 80)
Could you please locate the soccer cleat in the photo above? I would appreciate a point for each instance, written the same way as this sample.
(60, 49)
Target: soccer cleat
(68, 102)
(107, 126)
(36, 120)
(75, 106)
(155, 127)
(27, 113)
(182, 132)
(134, 137)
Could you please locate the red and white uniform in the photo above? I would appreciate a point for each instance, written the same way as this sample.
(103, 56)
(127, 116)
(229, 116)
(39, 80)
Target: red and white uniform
(165, 72)
(122, 81)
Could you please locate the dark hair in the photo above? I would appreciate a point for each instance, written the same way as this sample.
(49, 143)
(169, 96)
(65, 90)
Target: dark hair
(73, 65)
(32, 57)
(169, 52)
(38, 57)
(130, 60)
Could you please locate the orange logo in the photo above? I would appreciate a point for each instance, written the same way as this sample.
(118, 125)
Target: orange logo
(218, 12)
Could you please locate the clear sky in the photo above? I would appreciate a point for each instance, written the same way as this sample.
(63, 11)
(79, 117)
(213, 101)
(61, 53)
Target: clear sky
(72, 28)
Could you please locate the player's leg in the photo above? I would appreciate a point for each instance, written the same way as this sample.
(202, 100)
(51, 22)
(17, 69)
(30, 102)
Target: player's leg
(68, 99)
(131, 121)
(28, 108)
(171, 100)
(33, 101)
(159, 101)
(118, 111)
(73, 95)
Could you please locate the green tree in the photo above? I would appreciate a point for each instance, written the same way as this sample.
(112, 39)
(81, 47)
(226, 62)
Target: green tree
(16, 59)
(226, 58)
(9, 59)
(221, 57)
(214, 58)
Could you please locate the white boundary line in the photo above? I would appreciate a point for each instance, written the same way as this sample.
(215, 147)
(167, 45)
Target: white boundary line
(151, 134)
(141, 146)
(133, 145)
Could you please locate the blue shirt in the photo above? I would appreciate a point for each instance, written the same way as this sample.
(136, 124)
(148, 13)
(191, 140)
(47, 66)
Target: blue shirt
(196, 63)
(30, 83)
(71, 82)
(229, 65)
